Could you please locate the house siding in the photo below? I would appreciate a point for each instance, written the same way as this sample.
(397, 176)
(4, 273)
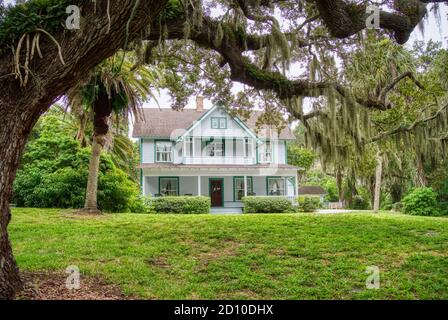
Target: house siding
(148, 151)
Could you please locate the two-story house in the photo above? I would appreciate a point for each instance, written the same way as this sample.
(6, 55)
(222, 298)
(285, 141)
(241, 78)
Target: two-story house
(212, 153)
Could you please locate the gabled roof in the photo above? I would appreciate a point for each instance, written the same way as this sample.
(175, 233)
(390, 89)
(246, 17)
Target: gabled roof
(312, 190)
(162, 122)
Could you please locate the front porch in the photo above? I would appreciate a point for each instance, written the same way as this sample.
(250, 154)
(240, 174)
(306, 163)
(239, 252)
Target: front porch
(225, 186)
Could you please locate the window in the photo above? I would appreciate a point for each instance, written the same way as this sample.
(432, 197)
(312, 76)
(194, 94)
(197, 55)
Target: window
(222, 123)
(248, 145)
(164, 151)
(243, 147)
(169, 186)
(238, 187)
(266, 152)
(215, 148)
(276, 186)
(189, 147)
(219, 123)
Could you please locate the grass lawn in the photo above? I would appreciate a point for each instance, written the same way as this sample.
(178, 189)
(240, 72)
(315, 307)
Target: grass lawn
(242, 257)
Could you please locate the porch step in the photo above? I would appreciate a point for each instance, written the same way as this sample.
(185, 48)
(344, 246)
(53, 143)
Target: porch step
(226, 211)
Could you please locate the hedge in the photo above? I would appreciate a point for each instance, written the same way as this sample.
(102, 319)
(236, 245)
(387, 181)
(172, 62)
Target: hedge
(267, 205)
(308, 204)
(180, 205)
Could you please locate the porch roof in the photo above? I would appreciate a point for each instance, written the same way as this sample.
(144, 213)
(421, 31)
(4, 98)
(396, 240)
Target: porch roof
(215, 166)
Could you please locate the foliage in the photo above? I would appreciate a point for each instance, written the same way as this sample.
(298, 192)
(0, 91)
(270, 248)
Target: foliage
(54, 172)
(319, 178)
(180, 205)
(421, 202)
(267, 205)
(397, 207)
(29, 16)
(300, 157)
(359, 203)
(309, 204)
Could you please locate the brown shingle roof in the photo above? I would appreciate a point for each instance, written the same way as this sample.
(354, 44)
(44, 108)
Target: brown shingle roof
(312, 190)
(162, 122)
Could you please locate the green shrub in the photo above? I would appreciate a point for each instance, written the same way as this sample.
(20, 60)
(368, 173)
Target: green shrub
(397, 207)
(180, 205)
(116, 191)
(359, 203)
(309, 204)
(138, 204)
(443, 208)
(267, 205)
(54, 173)
(421, 202)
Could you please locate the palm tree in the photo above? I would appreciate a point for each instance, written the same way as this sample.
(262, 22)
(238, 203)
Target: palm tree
(119, 86)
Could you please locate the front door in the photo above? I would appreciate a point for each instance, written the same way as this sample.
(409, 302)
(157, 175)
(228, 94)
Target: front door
(217, 192)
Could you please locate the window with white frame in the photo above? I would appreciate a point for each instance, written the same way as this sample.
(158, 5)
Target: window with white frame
(239, 187)
(267, 152)
(169, 186)
(276, 187)
(164, 151)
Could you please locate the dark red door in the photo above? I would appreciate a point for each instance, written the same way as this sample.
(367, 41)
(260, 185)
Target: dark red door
(216, 192)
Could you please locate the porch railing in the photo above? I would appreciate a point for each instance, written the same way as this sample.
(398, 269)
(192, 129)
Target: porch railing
(219, 160)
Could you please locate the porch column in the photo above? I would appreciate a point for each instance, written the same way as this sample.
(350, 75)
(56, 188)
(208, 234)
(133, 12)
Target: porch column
(199, 185)
(245, 186)
(297, 184)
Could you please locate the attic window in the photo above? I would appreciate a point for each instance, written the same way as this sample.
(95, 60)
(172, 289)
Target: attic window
(219, 123)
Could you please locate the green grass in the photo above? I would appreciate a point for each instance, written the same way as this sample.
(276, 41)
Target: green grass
(242, 257)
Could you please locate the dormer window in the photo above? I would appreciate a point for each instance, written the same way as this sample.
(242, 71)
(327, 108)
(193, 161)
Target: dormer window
(219, 123)
(164, 151)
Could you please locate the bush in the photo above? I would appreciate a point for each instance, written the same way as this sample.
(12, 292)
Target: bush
(397, 207)
(180, 205)
(267, 205)
(443, 208)
(139, 204)
(359, 203)
(309, 204)
(421, 202)
(54, 173)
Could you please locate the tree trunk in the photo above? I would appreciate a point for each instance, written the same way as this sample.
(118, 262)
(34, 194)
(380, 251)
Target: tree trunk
(339, 185)
(421, 176)
(15, 125)
(91, 204)
(378, 177)
(102, 108)
(20, 108)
